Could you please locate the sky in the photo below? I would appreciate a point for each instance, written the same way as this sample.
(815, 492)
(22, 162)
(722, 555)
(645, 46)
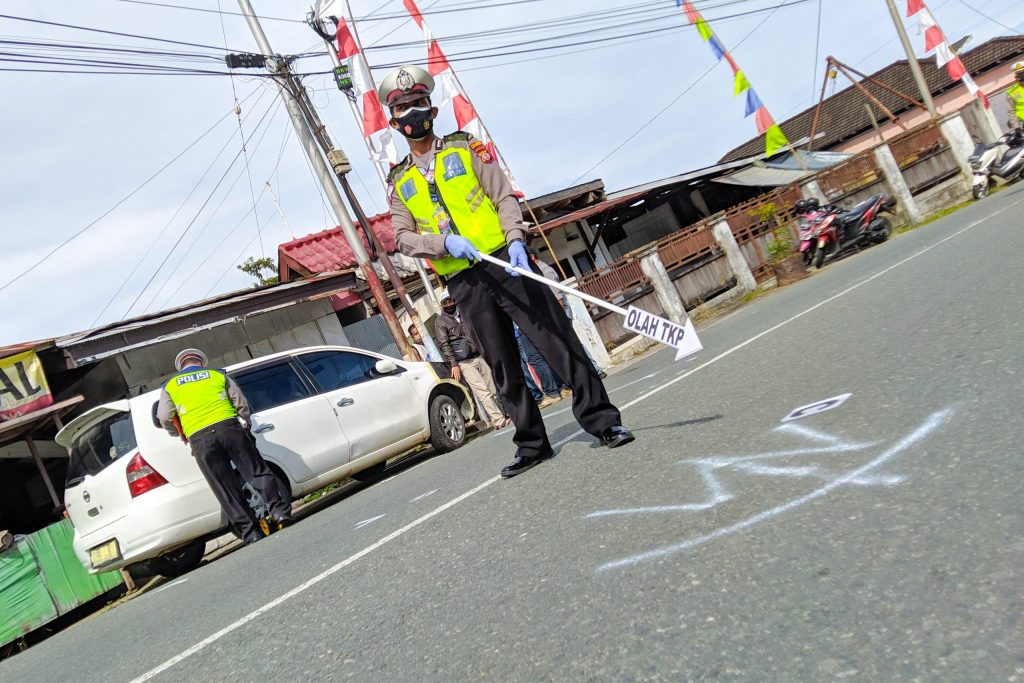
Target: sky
(76, 145)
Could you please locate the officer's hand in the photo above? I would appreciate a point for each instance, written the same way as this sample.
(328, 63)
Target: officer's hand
(517, 257)
(456, 373)
(459, 247)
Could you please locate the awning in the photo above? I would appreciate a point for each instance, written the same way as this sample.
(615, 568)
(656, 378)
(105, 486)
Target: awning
(24, 426)
(579, 215)
(783, 170)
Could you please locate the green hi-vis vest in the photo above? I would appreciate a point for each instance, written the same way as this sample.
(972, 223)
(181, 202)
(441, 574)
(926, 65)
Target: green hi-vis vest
(201, 399)
(462, 207)
(1016, 92)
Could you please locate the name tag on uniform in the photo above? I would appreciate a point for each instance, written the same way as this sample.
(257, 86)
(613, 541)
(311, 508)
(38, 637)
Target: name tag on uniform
(193, 377)
(453, 166)
(408, 189)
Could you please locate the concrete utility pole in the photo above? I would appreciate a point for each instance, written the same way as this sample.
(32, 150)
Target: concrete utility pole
(342, 167)
(915, 68)
(324, 174)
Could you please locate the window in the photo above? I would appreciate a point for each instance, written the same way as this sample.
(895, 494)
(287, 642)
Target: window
(271, 385)
(338, 369)
(97, 447)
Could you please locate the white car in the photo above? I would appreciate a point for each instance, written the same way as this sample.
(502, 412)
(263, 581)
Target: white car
(319, 414)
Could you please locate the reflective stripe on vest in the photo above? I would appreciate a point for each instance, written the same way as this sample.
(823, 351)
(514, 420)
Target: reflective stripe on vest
(1016, 92)
(201, 399)
(470, 211)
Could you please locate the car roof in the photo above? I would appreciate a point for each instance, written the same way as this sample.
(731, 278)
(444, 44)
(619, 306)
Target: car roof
(294, 352)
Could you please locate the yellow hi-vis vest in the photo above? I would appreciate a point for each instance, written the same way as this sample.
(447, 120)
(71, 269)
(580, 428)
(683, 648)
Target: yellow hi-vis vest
(1016, 93)
(200, 398)
(457, 203)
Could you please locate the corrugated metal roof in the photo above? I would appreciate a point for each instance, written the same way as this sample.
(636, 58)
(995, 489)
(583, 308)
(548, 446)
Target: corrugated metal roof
(586, 212)
(328, 250)
(843, 115)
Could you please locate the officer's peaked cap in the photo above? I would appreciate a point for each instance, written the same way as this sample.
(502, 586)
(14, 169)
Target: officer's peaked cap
(405, 84)
(185, 354)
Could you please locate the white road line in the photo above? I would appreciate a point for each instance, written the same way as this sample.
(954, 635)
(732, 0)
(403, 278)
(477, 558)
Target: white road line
(424, 495)
(367, 522)
(179, 581)
(455, 501)
(301, 588)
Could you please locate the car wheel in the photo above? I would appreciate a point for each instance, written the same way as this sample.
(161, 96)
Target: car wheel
(178, 561)
(447, 426)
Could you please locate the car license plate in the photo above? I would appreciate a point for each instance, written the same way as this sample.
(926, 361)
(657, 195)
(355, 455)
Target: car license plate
(104, 554)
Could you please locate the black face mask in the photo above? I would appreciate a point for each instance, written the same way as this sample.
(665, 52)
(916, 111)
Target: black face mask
(416, 123)
(450, 310)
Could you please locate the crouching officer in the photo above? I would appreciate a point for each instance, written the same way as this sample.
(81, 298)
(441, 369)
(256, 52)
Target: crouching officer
(449, 202)
(204, 407)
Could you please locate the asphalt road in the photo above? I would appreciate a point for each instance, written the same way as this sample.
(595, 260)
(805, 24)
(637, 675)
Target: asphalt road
(880, 540)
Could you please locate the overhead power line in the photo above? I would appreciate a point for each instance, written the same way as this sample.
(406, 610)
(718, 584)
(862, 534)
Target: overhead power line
(992, 19)
(121, 201)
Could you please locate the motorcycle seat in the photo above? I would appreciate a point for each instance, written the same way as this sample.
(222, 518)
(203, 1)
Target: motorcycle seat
(857, 212)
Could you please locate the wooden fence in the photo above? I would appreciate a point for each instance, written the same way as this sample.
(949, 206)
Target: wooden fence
(850, 176)
(753, 222)
(617, 282)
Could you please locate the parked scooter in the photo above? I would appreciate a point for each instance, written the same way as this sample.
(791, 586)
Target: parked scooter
(862, 225)
(997, 163)
(811, 215)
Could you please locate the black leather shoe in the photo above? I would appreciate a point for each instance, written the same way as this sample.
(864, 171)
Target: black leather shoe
(519, 464)
(616, 436)
(545, 455)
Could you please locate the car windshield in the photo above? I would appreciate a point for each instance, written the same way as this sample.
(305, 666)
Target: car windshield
(95, 448)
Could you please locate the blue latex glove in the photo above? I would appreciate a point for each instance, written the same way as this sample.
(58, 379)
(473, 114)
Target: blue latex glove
(517, 257)
(459, 247)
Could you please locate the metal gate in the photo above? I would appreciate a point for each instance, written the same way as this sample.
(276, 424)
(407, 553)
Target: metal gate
(372, 334)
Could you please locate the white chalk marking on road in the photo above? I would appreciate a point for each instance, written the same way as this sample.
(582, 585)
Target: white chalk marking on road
(175, 583)
(455, 501)
(813, 434)
(424, 495)
(367, 522)
(817, 407)
(929, 426)
(302, 588)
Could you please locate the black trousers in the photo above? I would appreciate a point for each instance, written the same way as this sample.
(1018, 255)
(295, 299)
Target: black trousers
(215, 448)
(489, 301)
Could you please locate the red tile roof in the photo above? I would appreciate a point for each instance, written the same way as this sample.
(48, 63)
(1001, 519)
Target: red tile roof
(843, 116)
(327, 251)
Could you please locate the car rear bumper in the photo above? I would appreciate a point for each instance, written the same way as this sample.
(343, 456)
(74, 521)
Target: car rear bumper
(157, 521)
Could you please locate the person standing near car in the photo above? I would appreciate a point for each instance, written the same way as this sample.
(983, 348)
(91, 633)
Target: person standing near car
(450, 202)
(1015, 95)
(204, 406)
(466, 364)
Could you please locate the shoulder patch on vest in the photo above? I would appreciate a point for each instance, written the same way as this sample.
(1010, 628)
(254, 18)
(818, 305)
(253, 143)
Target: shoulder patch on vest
(407, 189)
(457, 136)
(453, 166)
(398, 169)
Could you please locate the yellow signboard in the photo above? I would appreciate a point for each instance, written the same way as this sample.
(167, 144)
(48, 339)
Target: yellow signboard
(23, 387)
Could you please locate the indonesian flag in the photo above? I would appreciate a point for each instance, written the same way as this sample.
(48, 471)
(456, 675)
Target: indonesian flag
(447, 90)
(935, 40)
(372, 119)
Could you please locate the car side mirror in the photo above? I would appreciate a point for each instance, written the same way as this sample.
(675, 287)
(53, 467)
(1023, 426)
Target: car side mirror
(385, 366)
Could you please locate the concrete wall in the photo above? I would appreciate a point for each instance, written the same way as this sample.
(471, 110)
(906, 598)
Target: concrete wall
(943, 195)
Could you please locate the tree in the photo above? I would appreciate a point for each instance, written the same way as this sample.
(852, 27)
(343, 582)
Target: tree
(256, 267)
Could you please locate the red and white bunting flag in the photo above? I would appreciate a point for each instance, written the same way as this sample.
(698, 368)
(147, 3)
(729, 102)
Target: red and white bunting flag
(447, 89)
(935, 39)
(372, 119)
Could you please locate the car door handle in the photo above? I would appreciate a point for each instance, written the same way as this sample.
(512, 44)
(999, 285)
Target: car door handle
(262, 428)
(346, 402)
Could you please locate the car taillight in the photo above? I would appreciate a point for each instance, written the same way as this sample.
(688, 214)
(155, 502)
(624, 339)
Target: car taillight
(142, 477)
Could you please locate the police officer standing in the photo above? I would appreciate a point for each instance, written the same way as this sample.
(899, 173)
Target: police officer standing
(1015, 95)
(206, 405)
(449, 202)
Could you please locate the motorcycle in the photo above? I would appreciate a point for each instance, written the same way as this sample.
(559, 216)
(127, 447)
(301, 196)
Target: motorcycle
(810, 228)
(841, 230)
(997, 163)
